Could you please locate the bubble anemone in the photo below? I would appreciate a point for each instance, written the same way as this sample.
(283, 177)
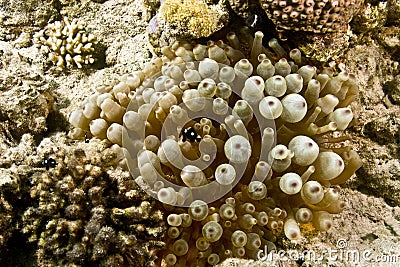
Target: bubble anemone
(264, 159)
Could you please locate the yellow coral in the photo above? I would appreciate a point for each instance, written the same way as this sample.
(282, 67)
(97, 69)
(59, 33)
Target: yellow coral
(196, 16)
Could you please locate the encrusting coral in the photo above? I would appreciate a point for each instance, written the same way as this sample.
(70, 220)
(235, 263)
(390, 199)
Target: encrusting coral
(85, 211)
(9, 186)
(316, 16)
(195, 16)
(265, 160)
(67, 44)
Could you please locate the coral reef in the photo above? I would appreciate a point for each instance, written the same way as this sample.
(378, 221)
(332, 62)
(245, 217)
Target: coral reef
(86, 211)
(266, 159)
(185, 20)
(370, 17)
(67, 44)
(325, 47)
(193, 16)
(312, 16)
(320, 28)
(245, 8)
(307, 16)
(385, 133)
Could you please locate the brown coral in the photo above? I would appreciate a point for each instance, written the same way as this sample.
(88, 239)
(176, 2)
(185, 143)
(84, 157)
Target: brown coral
(317, 16)
(320, 27)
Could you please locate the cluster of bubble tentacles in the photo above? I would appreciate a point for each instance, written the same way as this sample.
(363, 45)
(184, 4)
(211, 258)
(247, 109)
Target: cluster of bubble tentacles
(319, 16)
(261, 161)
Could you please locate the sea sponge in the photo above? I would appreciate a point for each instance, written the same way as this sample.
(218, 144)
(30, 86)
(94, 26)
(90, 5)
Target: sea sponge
(67, 44)
(258, 158)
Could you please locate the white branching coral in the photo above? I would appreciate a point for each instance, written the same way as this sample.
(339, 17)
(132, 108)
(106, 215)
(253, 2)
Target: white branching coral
(241, 145)
(194, 16)
(67, 44)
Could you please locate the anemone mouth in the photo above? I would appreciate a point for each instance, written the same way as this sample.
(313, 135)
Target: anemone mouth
(315, 189)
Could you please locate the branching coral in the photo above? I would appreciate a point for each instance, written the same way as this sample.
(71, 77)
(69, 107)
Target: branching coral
(265, 160)
(193, 16)
(67, 44)
(86, 212)
(315, 16)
